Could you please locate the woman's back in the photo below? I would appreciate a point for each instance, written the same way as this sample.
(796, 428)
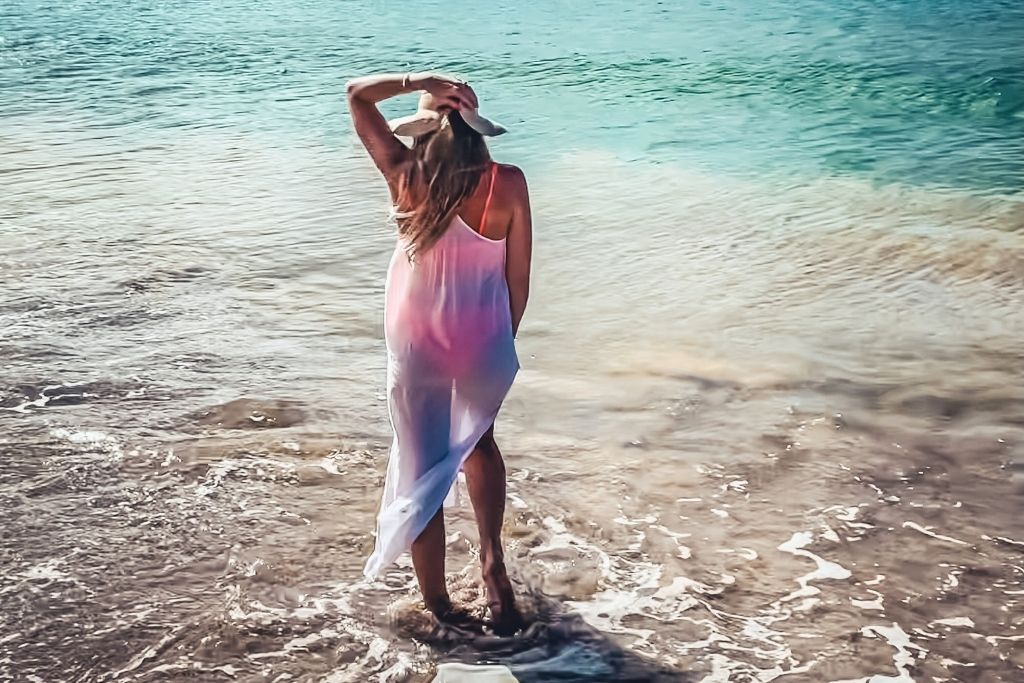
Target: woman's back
(488, 211)
(449, 305)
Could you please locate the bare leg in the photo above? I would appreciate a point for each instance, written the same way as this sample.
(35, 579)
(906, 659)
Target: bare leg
(428, 561)
(485, 477)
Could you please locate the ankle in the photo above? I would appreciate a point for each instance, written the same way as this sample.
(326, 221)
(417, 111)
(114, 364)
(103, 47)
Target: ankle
(492, 565)
(438, 604)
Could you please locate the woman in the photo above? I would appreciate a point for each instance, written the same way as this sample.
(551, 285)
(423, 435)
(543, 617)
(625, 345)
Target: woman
(456, 291)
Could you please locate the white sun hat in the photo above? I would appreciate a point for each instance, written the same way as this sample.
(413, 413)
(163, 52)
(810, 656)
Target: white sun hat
(427, 119)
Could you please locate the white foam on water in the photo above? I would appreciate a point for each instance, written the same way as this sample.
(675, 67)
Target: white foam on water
(270, 468)
(605, 610)
(225, 669)
(631, 587)
(517, 502)
(647, 519)
(638, 589)
(150, 652)
(682, 585)
(769, 643)
(825, 569)
(560, 538)
(848, 515)
(902, 659)
(745, 553)
(738, 485)
(683, 550)
(328, 465)
(946, 662)
(91, 441)
(875, 604)
(954, 621)
(46, 395)
(1004, 539)
(951, 582)
(634, 588)
(929, 532)
(46, 571)
(994, 640)
(726, 670)
(86, 436)
(381, 662)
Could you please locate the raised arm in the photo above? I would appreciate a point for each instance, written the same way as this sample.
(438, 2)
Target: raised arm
(387, 151)
(519, 251)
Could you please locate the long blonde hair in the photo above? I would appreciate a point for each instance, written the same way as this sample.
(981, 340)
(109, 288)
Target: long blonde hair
(447, 167)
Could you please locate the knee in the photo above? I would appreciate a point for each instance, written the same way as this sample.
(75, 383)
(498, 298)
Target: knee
(487, 447)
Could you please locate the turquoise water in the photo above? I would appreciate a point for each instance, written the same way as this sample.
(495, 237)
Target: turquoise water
(768, 422)
(909, 91)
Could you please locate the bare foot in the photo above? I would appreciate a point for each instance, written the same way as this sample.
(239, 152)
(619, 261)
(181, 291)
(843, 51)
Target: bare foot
(459, 617)
(506, 619)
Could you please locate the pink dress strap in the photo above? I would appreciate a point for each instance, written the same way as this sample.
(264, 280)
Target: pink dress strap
(490, 193)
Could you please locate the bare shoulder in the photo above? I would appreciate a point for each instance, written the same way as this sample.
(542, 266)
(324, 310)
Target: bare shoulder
(513, 178)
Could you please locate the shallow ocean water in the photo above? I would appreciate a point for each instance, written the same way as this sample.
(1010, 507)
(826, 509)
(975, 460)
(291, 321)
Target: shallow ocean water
(770, 422)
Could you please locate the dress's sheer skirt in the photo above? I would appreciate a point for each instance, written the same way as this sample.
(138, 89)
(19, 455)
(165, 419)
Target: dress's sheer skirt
(451, 361)
(437, 420)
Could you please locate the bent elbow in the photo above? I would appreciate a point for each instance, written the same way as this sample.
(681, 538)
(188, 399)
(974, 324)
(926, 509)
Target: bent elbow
(352, 89)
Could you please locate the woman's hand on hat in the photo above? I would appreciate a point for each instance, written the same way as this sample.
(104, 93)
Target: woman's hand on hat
(450, 92)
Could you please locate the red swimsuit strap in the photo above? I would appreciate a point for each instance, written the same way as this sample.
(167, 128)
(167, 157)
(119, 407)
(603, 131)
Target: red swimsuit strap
(490, 193)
